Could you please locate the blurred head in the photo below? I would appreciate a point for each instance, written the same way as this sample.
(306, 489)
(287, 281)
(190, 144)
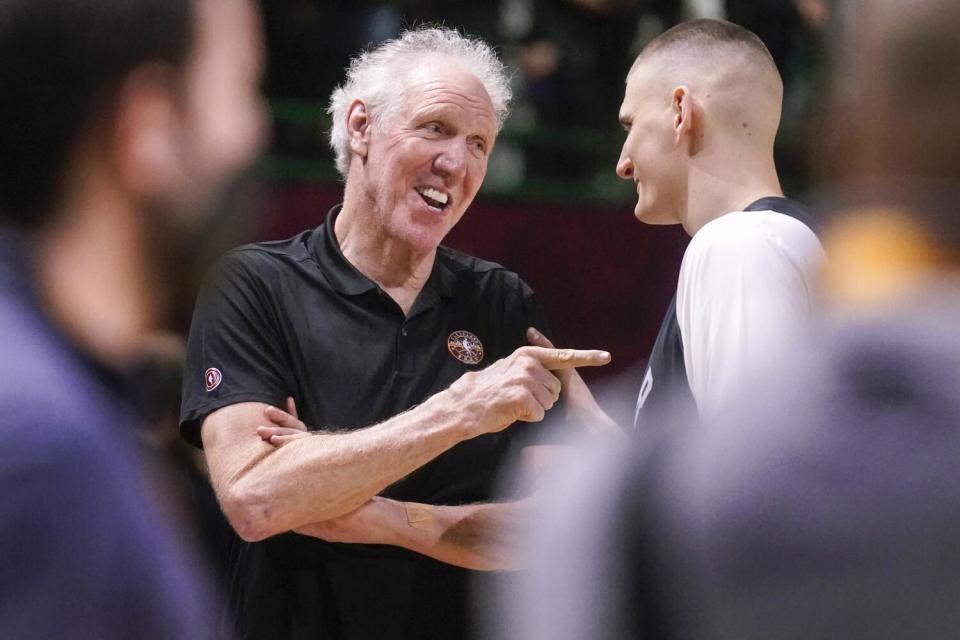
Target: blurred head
(702, 86)
(413, 128)
(192, 171)
(162, 92)
(218, 123)
(896, 90)
(146, 111)
(893, 108)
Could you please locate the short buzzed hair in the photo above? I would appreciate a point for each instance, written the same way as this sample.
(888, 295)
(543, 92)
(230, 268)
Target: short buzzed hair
(728, 65)
(708, 32)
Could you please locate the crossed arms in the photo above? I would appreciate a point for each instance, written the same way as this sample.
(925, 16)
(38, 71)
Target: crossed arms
(326, 484)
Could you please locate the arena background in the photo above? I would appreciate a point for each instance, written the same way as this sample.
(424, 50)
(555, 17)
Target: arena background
(551, 207)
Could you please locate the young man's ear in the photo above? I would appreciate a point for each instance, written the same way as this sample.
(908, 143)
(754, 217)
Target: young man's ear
(144, 140)
(358, 128)
(682, 112)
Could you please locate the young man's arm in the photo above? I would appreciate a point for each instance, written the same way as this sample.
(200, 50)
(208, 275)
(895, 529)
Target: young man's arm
(746, 293)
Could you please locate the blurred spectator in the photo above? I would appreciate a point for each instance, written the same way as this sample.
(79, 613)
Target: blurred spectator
(178, 470)
(826, 503)
(123, 127)
(573, 56)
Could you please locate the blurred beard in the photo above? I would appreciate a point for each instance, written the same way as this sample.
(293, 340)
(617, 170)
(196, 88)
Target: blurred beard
(183, 241)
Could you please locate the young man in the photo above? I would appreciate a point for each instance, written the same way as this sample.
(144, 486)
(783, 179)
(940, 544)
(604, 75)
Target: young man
(123, 124)
(701, 112)
(828, 507)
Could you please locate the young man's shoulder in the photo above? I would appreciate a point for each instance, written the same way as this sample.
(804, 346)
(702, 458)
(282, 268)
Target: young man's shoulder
(753, 230)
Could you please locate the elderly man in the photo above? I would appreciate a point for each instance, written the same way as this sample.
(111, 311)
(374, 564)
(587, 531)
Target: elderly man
(123, 125)
(408, 359)
(701, 111)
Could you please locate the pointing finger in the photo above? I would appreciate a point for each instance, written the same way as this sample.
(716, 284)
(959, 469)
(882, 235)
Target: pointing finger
(538, 339)
(569, 358)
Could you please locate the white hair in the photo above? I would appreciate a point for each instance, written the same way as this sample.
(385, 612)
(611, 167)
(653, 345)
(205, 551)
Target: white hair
(378, 77)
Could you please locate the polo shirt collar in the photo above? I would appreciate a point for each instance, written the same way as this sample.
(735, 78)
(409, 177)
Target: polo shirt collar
(443, 279)
(347, 279)
(339, 272)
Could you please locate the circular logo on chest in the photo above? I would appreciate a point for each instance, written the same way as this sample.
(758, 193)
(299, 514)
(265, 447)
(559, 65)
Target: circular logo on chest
(212, 378)
(465, 347)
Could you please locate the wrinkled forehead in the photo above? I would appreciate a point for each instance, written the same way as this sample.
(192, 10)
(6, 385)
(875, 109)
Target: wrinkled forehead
(444, 84)
(437, 73)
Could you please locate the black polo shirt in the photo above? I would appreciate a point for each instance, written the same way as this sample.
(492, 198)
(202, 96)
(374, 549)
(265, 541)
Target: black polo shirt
(294, 317)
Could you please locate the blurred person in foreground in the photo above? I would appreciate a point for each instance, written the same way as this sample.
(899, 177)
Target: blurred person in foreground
(407, 360)
(701, 111)
(122, 124)
(829, 507)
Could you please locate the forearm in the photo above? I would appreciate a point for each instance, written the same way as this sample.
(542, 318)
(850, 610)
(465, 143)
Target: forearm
(266, 490)
(325, 475)
(485, 537)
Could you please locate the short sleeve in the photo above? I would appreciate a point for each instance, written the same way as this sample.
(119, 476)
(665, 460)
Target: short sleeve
(234, 352)
(746, 294)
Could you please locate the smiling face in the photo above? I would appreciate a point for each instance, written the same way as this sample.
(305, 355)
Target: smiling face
(651, 156)
(425, 163)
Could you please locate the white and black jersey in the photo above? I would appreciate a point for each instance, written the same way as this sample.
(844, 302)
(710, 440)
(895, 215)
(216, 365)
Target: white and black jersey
(745, 292)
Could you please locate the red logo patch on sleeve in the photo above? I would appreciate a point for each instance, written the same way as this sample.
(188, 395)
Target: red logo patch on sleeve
(212, 378)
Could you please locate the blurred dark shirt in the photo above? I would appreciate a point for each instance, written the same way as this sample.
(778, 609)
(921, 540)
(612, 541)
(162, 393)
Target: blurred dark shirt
(87, 552)
(824, 505)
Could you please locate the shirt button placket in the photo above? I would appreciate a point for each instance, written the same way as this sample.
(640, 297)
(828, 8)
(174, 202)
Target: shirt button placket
(402, 356)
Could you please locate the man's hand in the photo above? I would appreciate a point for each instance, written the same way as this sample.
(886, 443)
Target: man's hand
(579, 402)
(521, 386)
(284, 426)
